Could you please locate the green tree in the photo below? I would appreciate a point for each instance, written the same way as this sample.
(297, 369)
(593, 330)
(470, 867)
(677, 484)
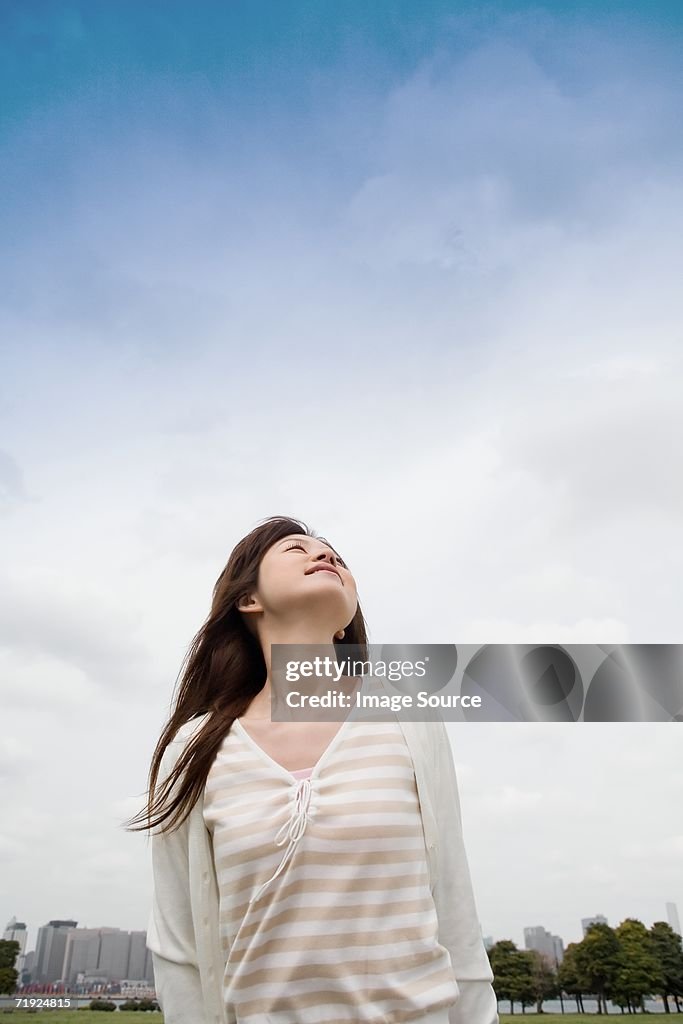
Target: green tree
(639, 972)
(526, 993)
(597, 962)
(513, 973)
(568, 976)
(543, 979)
(9, 951)
(668, 947)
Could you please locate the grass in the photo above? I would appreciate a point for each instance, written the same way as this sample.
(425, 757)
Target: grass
(83, 1016)
(130, 1017)
(577, 1018)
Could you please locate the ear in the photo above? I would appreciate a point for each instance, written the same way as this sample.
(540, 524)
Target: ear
(248, 603)
(339, 635)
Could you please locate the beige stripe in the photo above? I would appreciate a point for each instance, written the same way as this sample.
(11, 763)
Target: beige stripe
(333, 885)
(371, 829)
(418, 905)
(399, 1015)
(421, 970)
(358, 830)
(360, 851)
(408, 899)
(336, 941)
(412, 853)
(338, 887)
(324, 830)
(246, 779)
(361, 996)
(323, 865)
(371, 802)
(346, 800)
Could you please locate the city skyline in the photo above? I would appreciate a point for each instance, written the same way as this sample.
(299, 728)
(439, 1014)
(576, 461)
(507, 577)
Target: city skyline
(535, 936)
(74, 954)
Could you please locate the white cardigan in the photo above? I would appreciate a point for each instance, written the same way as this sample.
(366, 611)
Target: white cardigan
(183, 929)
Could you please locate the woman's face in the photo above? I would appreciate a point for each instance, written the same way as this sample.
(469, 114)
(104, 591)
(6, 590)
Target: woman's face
(301, 574)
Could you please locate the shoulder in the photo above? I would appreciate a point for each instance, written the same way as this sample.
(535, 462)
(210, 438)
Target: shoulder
(426, 740)
(430, 731)
(183, 735)
(188, 729)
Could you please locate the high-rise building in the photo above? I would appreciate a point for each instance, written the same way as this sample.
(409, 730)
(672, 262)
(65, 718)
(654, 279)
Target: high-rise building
(50, 951)
(80, 956)
(549, 946)
(672, 917)
(15, 931)
(586, 922)
(114, 954)
(137, 960)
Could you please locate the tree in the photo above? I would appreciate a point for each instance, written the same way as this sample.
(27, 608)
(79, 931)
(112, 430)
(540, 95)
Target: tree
(568, 976)
(597, 962)
(9, 951)
(639, 973)
(512, 973)
(668, 948)
(543, 979)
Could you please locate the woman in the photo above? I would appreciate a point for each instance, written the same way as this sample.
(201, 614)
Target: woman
(367, 913)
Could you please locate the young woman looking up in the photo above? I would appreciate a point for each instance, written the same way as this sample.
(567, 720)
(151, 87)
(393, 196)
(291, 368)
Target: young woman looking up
(306, 872)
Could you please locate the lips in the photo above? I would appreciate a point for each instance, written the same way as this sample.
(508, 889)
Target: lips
(323, 568)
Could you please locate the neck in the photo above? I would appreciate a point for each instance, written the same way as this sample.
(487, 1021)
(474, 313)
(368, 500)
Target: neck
(299, 634)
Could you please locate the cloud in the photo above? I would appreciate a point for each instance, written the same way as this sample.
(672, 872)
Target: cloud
(15, 760)
(512, 800)
(63, 639)
(12, 485)
(441, 322)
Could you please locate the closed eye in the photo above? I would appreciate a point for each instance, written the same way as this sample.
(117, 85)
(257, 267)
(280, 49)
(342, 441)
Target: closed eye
(290, 547)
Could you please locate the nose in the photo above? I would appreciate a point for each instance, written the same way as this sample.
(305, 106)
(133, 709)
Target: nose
(325, 557)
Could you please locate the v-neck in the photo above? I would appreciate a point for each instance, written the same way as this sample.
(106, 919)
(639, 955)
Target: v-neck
(281, 768)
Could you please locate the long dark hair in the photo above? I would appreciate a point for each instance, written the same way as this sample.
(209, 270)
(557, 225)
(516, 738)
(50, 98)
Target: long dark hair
(224, 670)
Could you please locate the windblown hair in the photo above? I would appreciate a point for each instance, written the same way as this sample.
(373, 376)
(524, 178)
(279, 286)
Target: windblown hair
(224, 670)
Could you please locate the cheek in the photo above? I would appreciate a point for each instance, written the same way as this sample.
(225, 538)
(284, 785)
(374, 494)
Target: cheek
(273, 580)
(284, 579)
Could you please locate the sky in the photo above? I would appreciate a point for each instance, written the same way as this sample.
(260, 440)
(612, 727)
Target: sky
(407, 272)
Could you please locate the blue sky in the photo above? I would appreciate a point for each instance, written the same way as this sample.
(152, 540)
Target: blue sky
(410, 272)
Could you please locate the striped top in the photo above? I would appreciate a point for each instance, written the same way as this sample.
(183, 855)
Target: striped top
(326, 914)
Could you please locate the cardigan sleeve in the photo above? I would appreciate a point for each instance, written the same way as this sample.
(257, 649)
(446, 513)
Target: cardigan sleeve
(170, 931)
(459, 928)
